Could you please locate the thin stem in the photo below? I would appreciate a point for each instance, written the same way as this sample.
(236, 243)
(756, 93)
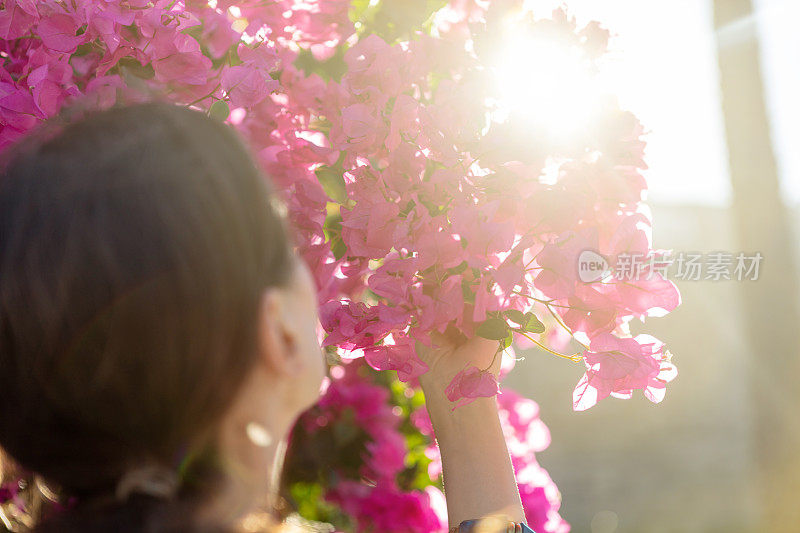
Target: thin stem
(494, 358)
(209, 95)
(545, 302)
(531, 261)
(563, 325)
(574, 357)
(549, 305)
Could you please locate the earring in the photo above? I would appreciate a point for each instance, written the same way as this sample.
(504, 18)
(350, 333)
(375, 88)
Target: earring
(258, 435)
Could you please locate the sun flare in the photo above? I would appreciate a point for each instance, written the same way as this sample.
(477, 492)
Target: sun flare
(547, 82)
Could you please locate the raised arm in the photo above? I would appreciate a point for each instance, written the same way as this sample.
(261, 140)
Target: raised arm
(478, 476)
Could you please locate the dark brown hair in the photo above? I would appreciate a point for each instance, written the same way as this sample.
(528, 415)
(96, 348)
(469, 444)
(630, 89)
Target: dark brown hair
(135, 244)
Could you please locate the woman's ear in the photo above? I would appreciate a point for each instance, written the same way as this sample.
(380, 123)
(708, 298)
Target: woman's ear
(277, 340)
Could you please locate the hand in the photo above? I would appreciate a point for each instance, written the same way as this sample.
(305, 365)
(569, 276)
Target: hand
(478, 475)
(451, 353)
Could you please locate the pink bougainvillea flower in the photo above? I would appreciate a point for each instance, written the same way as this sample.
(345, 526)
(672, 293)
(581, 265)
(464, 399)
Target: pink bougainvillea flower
(470, 384)
(394, 278)
(524, 430)
(184, 67)
(616, 366)
(17, 18)
(246, 85)
(440, 306)
(632, 237)
(438, 247)
(374, 70)
(385, 507)
(46, 92)
(368, 401)
(489, 296)
(369, 229)
(104, 89)
(217, 34)
(352, 325)
(540, 499)
(321, 24)
(250, 83)
(400, 356)
(422, 421)
(50, 81)
(484, 237)
(180, 59)
(557, 209)
(559, 263)
(107, 19)
(651, 295)
(385, 456)
(259, 55)
(360, 127)
(57, 32)
(509, 275)
(404, 122)
(591, 311)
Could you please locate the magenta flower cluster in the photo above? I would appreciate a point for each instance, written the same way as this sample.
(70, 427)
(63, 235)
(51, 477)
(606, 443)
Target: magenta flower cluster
(415, 212)
(381, 504)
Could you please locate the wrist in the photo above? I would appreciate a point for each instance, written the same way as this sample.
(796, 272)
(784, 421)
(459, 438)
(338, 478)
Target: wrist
(434, 383)
(479, 413)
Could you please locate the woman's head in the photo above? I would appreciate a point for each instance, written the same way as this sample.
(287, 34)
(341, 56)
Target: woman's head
(147, 285)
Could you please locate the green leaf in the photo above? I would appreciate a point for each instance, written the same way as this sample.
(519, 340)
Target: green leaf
(133, 66)
(332, 181)
(338, 247)
(433, 209)
(493, 328)
(532, 323)
(330, 69)
(516, 316)
(333, 224)
(407, 209)
(458, 269)
(310, 502)
(83, 50)
(219, 110)
(431, 166)
(466, 290)
(505, 343)
(527, 321)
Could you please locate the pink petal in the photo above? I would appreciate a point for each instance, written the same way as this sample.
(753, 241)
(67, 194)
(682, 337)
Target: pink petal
(584, 396)
(58, 33)
(14, 21)
(469, 384)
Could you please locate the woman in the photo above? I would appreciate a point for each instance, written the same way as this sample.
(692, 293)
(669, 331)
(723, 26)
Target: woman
(158, 336)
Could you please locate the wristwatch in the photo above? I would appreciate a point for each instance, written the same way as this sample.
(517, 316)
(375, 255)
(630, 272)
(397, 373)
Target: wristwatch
(491, 525)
